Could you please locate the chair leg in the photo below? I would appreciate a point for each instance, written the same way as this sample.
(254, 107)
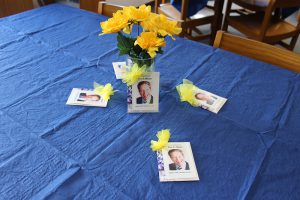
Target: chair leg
(227, 13)
(189, 31)
(213, 33)
(156, 4)
(196, 30)
(182, 34)
(217, 20)
(293, 42)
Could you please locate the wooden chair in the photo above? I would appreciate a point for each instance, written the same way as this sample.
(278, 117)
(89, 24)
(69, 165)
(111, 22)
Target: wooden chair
(39, 3)
(107, 9)
(92, 5)
(207, 16)
(263, 25)
(14, 6)
(135, 3)
(258, 51)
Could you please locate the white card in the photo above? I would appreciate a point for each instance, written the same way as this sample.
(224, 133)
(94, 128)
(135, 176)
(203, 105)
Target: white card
(85, 97)
(209, 101)
(176, 163)
(119, 68)
(143, 96)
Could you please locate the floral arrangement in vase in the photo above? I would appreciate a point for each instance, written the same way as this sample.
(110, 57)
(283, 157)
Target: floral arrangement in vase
(152, 29)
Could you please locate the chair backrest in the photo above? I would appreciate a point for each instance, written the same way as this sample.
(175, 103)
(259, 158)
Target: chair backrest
(39, 3)
(261, 5)
(258, 51)
(14, 6)
(286, 3)
(108, 9)
(184, 8)
(182, 16)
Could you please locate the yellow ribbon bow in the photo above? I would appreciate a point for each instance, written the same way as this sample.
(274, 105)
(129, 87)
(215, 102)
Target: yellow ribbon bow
(105, 91)
(163, 139)
(187, 91)
(135, 73)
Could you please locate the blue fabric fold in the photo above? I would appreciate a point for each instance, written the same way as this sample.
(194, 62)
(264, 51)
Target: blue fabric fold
(49, 150)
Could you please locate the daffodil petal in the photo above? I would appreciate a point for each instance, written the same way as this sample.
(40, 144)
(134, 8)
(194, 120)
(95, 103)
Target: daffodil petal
(118, 22)
(134, 74)
(187, 92)
(105, 91)
(151, 42)
(163, 140)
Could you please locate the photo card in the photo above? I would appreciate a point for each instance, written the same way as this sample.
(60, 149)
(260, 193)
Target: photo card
(176, 163)
(119, 69)
(143, 96)
(85, 97)
(209, 101)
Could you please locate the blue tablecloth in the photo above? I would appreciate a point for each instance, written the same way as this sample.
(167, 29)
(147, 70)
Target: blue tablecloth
(48, 150)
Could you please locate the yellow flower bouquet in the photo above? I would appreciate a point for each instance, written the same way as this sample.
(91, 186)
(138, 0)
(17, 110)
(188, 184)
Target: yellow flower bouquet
(141, 49)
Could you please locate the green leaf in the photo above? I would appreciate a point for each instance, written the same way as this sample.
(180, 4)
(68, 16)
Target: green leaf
(136, 50)
(144, 55)
(125, 44)
(160, 51)
(123, 51)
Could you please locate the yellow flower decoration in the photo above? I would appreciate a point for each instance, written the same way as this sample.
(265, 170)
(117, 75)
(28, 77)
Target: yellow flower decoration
(187, 91)
(135, 73)
(104, 91)
(150, 23)
(118, 22)
(161, 25)
(137, 14)
(150, 42)
(163, 139)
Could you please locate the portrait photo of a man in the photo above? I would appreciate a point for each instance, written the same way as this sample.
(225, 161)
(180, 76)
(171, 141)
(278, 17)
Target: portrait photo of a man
(178, 160)
(144, 88)
(203, 97)
(86, 97)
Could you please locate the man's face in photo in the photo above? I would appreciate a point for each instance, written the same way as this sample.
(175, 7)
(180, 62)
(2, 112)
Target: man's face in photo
(145, 91)
(177, 157)
(92, 97)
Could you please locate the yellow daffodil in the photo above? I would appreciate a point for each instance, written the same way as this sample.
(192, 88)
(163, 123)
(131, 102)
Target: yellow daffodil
(132, 76)
(187, 92)
(104, 91)
(150, 42)
(161, 25)
(137, 14)
(149, 24)
(118, 22)
(163, 139)
(168, 27)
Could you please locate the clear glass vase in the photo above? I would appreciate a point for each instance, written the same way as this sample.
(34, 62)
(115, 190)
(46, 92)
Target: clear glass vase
(149, 63)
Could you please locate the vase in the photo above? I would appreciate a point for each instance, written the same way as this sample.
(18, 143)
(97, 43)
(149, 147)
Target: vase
(149, 63)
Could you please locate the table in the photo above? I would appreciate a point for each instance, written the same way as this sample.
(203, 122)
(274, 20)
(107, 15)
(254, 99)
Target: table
(49, 150)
